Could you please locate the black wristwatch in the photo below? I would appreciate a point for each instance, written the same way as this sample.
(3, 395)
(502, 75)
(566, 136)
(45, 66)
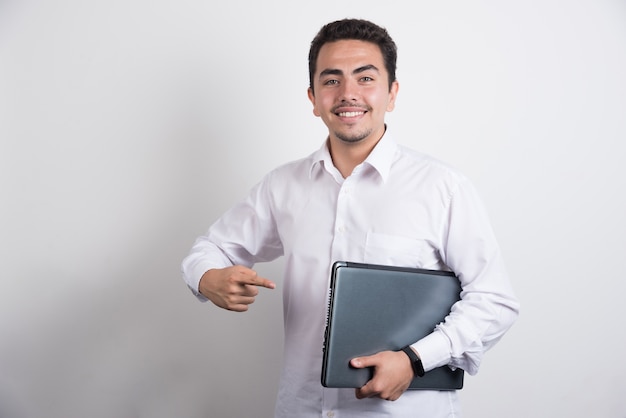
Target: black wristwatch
(416, 362)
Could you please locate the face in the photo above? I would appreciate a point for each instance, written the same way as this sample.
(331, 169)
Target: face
(351, 91)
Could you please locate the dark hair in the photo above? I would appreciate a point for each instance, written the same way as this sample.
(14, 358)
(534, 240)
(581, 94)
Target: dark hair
(362, 30)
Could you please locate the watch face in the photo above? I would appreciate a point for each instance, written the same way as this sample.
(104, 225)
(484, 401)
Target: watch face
(418, 367)
(416, 362)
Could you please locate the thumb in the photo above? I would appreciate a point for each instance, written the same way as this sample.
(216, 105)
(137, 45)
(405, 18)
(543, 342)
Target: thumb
(362, 362)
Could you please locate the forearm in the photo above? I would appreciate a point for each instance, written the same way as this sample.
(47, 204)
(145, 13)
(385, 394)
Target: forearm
(204, 256)
(465, 336)
(486, 311)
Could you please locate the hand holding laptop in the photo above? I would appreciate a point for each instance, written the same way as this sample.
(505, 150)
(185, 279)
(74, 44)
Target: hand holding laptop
(392, 375)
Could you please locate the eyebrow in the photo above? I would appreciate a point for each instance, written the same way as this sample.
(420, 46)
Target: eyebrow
(332, 71)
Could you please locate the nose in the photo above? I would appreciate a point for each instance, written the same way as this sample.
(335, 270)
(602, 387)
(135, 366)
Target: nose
(349, 90)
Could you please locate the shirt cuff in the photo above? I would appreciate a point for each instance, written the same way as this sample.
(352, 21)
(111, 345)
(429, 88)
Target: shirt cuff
(194, 277)
(434, 350)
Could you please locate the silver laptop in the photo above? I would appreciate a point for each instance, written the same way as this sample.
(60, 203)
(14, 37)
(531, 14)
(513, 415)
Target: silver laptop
(374, 308)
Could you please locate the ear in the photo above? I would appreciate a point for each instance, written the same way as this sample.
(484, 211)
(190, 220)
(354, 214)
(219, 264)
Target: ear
(312, 99)
(393, 94)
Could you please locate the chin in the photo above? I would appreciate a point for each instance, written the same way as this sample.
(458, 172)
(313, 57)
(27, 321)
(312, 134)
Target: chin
(352, 137)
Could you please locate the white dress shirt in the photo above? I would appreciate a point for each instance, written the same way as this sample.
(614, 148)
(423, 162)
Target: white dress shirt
(398, 207)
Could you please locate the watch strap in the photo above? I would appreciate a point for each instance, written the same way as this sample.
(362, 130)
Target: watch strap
(416, 362)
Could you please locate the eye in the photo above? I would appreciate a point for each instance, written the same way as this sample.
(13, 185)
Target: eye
(331, 82)
(367, 79)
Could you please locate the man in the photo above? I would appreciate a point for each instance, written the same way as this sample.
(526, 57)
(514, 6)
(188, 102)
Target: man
(363, 198)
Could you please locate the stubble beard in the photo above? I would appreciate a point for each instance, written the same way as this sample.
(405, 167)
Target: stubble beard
(354, 137)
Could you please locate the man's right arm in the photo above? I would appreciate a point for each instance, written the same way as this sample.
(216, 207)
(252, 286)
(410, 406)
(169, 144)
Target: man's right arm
(219, 266)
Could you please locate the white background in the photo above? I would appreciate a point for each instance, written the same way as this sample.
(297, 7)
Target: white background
(127, 127)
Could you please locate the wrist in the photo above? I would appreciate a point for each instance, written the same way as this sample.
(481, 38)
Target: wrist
(416, 362)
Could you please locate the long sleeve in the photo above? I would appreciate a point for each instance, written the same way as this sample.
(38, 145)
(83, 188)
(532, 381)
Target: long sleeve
(488, 306)
(244, 235)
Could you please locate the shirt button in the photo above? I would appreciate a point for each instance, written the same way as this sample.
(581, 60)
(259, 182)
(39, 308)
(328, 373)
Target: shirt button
(330, 414)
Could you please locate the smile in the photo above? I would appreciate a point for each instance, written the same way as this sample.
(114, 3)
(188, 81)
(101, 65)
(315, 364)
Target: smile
(350, 114)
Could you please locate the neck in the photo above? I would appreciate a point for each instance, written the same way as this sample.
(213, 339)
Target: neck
(346, 156)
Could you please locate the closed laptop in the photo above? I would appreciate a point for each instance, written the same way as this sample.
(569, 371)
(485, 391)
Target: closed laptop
(375, 308)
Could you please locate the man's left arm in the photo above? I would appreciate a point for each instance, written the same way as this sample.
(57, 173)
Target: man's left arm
(488, 305)
(487, 309)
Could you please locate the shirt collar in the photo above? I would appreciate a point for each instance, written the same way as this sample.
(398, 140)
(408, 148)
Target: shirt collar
(380, 159)
(320, 159)
(382, 155)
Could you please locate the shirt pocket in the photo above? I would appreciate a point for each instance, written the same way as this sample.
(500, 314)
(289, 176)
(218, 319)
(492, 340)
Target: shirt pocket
(400, 251)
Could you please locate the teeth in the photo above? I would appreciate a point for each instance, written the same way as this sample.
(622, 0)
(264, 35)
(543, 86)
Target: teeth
(350, 114)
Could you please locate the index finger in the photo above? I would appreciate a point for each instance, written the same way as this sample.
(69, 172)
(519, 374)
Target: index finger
(259, 281)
